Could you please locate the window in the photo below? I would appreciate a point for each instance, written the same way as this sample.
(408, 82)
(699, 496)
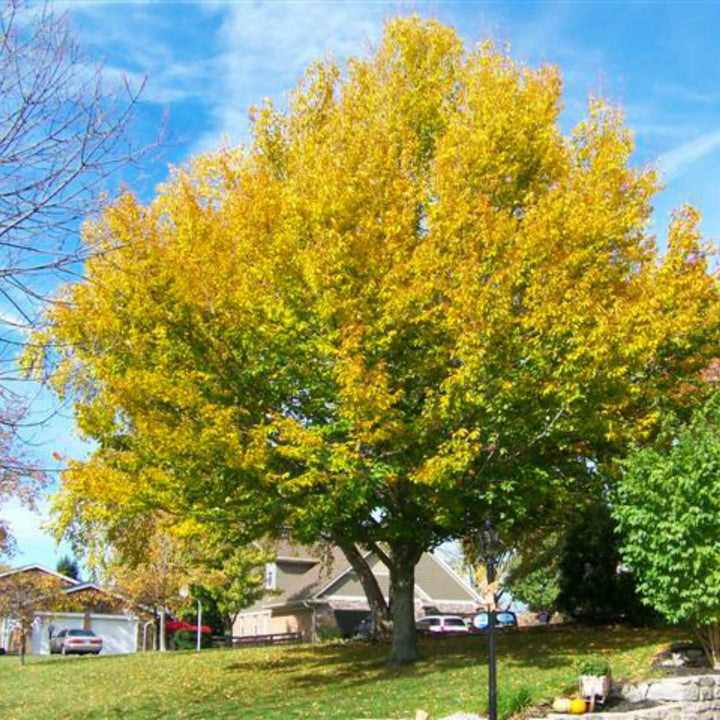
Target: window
(454, 622)
(270, 576)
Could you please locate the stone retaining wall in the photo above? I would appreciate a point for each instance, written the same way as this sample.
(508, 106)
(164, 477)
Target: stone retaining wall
(684, 698)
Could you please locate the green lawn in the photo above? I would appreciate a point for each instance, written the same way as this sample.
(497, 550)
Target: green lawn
(314, 681)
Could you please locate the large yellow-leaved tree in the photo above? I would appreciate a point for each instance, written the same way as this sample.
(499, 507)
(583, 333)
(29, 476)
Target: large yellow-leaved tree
(410, 304)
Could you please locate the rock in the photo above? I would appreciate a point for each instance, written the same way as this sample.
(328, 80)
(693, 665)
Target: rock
(675, 690)
(681, 654)
(634, 693)
(422, 715)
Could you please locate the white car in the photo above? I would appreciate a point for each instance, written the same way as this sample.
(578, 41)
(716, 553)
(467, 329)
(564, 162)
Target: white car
(80, 642)
(441, 624)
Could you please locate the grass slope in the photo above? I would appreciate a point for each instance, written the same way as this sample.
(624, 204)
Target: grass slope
(314, 681)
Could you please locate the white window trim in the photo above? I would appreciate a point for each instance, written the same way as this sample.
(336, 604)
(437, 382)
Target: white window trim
(271, 576)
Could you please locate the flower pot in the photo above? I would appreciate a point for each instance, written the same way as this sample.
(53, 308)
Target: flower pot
(592, 686)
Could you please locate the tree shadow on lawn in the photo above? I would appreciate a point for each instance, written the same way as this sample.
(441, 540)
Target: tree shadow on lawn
(56, 661)
(540, 649)
(356, 655)
(534, 648)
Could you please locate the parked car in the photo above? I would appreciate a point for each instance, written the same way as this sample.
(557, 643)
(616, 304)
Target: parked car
(503, 619)
(80, 642)
(432, 624)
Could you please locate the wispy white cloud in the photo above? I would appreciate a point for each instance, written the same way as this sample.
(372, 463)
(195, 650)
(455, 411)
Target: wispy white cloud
(677, 161)
(139, 42)
(221, 57)
(687, 94)
(264, 47)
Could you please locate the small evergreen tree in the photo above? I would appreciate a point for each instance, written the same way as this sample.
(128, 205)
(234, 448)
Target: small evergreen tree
(69, 567)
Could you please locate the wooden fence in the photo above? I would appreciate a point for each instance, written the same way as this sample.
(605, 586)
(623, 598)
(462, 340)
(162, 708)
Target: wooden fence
(271, 639)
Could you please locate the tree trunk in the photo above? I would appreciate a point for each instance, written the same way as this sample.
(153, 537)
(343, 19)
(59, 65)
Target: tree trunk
(709, 636)
(378, 606)
(23, 637)
(402, 606)
(228, 625)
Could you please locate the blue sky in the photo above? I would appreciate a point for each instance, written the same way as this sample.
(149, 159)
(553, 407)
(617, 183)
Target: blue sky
(207, 63)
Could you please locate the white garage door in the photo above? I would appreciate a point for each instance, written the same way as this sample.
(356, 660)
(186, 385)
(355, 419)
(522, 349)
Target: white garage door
(119, 634)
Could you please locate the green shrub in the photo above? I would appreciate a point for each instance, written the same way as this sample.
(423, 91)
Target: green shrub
(593, 665)
(511, 702)
(329, 633)
(187, 640)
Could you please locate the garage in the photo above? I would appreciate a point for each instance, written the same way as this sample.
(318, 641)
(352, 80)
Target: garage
(85, 606)
(119, 632)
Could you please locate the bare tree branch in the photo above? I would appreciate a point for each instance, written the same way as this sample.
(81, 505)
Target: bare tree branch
(63, 134)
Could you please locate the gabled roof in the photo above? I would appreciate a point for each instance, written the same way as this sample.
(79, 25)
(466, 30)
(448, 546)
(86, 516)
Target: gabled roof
(82, 587)
(456, 584)
(88, 586)
(303, 572)
(41, 568)
(315, 574)
(337, 577)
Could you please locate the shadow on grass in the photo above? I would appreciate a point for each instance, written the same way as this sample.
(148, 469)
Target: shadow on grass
(355, 664)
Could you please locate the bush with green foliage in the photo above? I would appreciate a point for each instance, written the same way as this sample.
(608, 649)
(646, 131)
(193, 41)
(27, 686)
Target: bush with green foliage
(534, 574)
(668, 509)
(329, 633)
(575, 567)
(512, 702)
(187, 640)
(594, 587)
(593, 665)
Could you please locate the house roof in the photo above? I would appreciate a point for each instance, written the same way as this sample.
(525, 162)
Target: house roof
(319, 573)
(89, 586)
(43, 569)
(73, 585)
(304, 571)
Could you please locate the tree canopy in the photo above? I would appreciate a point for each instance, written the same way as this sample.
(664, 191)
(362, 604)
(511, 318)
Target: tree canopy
(410, 303)
(667, 506)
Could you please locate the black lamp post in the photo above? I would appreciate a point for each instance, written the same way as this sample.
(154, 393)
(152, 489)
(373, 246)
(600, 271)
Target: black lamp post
(492, 667)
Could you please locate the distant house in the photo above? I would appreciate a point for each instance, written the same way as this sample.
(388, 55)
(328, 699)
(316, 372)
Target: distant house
(105, 614)
(311, 591)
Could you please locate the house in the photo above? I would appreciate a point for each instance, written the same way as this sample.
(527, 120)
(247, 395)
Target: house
(316, 592)
(106, 614)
